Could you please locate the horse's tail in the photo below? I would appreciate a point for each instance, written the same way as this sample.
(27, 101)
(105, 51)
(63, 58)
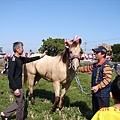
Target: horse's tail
(25, 75)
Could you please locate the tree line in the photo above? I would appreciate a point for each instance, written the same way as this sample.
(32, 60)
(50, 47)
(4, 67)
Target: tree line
(56, 46)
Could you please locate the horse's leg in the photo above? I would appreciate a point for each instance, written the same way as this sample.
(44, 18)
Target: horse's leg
(31, 78)
(33, 81)
(56, 86)
(63, 92)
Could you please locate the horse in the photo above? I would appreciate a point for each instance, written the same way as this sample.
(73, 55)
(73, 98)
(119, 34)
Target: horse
(60, 70)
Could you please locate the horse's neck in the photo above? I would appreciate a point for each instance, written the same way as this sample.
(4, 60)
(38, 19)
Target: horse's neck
(65, 57)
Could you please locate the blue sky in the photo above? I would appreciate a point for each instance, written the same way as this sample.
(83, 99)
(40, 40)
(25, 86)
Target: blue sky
(30, 21)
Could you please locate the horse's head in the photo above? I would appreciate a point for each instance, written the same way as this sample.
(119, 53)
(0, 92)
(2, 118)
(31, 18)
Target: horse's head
(73, 47)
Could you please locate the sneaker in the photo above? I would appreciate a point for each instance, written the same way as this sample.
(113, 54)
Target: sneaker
(4, 117)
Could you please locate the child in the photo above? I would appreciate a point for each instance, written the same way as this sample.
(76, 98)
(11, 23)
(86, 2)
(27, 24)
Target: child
(111, 113)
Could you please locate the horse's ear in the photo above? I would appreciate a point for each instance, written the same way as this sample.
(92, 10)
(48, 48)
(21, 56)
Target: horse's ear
(67, 43)
(77, 39)
(80, 40)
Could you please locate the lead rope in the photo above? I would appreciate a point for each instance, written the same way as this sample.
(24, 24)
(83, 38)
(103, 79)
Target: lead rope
(80, 86)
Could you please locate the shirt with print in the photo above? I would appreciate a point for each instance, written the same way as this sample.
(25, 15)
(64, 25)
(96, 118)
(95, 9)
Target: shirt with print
(107, 113)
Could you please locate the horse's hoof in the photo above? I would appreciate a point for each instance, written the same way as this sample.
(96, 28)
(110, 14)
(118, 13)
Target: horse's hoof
(52, 111)
(60, 109)
(32, 102)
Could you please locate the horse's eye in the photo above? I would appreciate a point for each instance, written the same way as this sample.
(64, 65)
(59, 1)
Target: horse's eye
(70, 51)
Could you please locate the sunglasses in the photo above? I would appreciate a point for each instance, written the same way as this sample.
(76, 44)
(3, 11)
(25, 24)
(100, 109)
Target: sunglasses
(96, 53)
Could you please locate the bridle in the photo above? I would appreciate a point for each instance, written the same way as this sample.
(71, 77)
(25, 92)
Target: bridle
(72, 57)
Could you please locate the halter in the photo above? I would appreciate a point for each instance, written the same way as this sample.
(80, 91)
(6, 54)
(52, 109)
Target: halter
(72, 57)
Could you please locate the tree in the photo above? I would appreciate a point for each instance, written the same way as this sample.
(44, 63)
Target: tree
(116, 52)
(116, 49)
(54, 46)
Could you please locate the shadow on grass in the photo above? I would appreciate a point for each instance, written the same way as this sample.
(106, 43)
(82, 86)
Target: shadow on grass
(45, 94)
(84, 109)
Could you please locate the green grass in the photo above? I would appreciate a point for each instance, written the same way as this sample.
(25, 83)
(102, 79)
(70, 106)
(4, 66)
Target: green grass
(77, 105)
(1, 67)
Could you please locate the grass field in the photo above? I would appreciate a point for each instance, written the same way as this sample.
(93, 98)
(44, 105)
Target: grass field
(77, 105)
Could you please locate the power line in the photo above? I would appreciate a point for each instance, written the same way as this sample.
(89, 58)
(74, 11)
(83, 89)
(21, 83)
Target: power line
(103, 40)
(88, 45)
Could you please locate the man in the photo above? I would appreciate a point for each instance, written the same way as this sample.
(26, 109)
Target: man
(101, 79)
(15, 81)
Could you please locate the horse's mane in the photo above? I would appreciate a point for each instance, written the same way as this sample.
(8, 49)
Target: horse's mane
(64, 55)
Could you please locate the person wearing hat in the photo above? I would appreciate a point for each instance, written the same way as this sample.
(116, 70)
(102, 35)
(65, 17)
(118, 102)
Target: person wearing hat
(101, 79)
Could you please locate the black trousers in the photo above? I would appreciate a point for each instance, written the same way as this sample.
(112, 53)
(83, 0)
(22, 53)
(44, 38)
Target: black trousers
(99, 102)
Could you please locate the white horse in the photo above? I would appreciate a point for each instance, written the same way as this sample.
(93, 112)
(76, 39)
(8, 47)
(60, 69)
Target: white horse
(59, 69)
